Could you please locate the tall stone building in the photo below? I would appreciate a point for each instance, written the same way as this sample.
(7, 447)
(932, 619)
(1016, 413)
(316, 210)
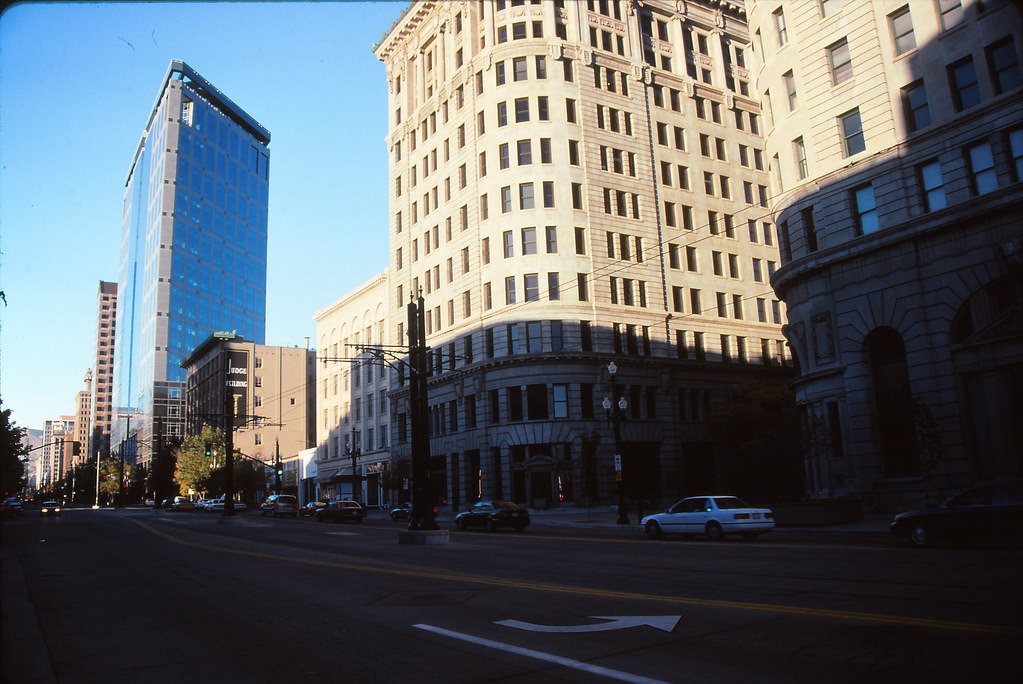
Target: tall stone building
(895, 132)
(193, 250)
(58, 447)
(83, 412)
(575, 184)
(353, 426)
(102, 387)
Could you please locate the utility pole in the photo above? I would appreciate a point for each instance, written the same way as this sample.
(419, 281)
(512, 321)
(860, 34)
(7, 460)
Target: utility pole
(356, 480)
(277, 467)
(422, 517)
(228, 434)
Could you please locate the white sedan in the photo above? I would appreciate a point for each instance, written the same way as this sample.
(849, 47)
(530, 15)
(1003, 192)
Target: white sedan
(714, 516)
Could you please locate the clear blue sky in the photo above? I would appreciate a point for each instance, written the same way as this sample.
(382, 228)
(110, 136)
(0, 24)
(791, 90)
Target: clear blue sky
(77, 83)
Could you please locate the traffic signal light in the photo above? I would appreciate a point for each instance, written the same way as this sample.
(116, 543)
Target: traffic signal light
(209, 451)
(280, 470)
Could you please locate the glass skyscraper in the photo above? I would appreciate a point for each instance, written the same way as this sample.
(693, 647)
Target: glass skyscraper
(193, 251)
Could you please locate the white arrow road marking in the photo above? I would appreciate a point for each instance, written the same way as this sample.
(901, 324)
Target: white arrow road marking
(548, 657)
(663, 622)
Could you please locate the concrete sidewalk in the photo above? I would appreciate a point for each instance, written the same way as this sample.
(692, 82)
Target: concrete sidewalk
(606, 517)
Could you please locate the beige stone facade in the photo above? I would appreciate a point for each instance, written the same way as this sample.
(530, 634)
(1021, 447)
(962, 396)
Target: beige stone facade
(101, 417)
(895, 133)
(352, 376)
(574, 183)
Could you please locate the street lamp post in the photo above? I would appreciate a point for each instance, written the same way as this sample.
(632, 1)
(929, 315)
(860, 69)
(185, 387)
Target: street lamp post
(354, 451)
(615, 412)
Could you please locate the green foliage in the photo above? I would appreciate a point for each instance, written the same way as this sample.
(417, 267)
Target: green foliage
(759, 443)
(195, 470)
(12, 449)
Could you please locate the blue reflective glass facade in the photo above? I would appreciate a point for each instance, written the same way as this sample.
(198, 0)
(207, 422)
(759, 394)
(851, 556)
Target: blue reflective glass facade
(193, 247)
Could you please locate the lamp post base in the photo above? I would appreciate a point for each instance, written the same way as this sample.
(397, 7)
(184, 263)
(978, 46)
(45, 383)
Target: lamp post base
(424, 537)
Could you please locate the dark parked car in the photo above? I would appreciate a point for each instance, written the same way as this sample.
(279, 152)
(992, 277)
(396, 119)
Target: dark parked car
(404, 512)
(341, 511)
(492, 515)
(11, 507)
(311, 508)
(992, 513)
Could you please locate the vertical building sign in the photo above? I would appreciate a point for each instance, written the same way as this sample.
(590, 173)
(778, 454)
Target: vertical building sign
(237, 384)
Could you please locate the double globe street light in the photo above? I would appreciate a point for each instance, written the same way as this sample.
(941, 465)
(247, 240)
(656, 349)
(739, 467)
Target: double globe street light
(615, 412)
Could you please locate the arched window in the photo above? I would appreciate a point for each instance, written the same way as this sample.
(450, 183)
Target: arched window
(893, 402)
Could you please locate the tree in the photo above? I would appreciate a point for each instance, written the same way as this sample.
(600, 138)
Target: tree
(199, 457)
(759, 442)
(12, 449)
(110, 478)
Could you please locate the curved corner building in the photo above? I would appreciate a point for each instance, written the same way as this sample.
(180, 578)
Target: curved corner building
(895, 134)
(576, 183)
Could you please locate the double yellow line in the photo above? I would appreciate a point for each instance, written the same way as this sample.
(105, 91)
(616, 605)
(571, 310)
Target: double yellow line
(845, 615)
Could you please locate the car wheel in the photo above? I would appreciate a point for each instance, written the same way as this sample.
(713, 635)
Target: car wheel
(394, 518)
(491, 525)
(460, 524)
(714, 531)
(654, 531)
(918, 535)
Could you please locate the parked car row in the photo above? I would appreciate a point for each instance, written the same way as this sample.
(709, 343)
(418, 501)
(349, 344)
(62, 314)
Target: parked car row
(989, 513)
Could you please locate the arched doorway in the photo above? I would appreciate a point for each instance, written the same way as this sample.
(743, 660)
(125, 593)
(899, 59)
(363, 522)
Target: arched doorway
(893, 402)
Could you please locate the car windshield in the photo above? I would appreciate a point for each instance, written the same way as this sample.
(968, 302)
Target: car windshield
(727, 502)
(506, 505)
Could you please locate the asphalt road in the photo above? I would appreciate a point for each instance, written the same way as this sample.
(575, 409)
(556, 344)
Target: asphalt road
(150, 596)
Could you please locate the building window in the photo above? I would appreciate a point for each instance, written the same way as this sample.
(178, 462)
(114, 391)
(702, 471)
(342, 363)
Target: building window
(852, 133)
(790, 89)
(1004, 65)
(524, 152)
(932, 186)
(982, 169)
(551, 239)
(509, 290)
(809, 229)
(830, 8)
(914, 104)
(526, 196)
(901, 24)
(532, 287)
(528, 241)
(840, 61)
(581, 287)
(553, 286)
(780, 29)
(1015, 140)
(962, 77)
(950, 12)
(866, 209)
(521, 109)
(799, 151)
